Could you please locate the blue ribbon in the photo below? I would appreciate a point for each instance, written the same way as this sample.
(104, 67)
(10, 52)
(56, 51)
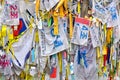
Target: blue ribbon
(33, 55)
(27, 56)
(79, 56)
(82, 55)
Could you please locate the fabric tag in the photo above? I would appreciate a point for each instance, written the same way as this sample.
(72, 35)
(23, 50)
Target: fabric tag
(11, 13)
(81, 31)
(95, 36)
(50, 43)
(113, 19)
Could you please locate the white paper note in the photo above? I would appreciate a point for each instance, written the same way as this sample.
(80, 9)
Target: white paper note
(95, 36)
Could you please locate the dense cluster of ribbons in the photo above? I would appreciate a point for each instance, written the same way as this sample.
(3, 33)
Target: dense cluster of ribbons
(59, 40)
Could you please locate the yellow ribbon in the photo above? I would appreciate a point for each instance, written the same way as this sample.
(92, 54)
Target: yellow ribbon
(67, 70)
(98, 52)
(36, 36)
(37, 7)
(60, 61)
(78, 7)
(4, 30)
(43, 76)
(55, 17)
(61, 11)
(71, 25)
(109, 35)
(66, 6)
(104, 49)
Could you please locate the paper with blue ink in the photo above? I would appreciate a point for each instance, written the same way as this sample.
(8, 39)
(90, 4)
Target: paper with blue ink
(50, 43)
(100, 12)
(114, 18)
(94, 33)
(81, 31)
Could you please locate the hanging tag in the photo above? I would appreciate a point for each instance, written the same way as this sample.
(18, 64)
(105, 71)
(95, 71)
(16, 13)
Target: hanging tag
(113, 18)
(4, 29)
(94, 32)
(71, 25)
(55, 18)
(79, 7)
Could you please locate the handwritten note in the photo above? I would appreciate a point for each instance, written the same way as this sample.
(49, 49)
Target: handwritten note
(50, 43)
(81, 31)
(95, 36)
(100, 12)
(84, 32)
(113, 19)
(11, 13)
(116, 33)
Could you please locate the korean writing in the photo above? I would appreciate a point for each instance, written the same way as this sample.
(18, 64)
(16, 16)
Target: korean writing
(95, 36)
(99, 8)
(13, 11)
(84, 32)
(4, 62)
(57, 41)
